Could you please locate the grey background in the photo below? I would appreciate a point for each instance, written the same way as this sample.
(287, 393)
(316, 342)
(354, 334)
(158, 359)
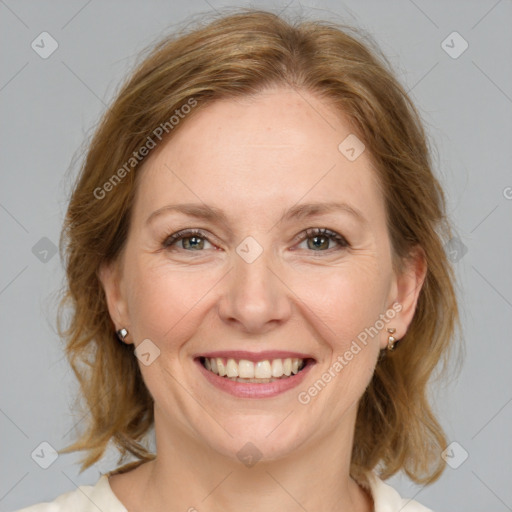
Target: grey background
(49, 105)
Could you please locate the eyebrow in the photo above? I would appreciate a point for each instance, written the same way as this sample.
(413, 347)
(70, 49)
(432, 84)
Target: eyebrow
(300, 211)
(306, 210)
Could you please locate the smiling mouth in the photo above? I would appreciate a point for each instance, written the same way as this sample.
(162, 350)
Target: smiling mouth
(262, 372)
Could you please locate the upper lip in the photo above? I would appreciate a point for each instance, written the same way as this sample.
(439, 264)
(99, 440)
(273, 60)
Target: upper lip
(255, 356)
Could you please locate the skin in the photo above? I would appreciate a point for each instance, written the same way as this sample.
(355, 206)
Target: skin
(255, 158)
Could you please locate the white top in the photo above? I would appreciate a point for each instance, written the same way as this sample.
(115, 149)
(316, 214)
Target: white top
(88, 498)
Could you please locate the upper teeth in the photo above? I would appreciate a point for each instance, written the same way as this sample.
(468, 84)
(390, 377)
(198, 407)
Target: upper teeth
(248, 370)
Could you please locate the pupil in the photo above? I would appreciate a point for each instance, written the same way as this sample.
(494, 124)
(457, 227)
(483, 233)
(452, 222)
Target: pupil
(316, 238)
(195, 242)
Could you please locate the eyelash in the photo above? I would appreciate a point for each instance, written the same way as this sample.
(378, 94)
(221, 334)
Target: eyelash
(169, 241)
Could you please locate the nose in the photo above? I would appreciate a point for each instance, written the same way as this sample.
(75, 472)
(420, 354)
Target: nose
(256, 298)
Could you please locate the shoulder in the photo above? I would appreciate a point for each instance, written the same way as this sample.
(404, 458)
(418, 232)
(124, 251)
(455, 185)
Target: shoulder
(86, 498)
(387, 499)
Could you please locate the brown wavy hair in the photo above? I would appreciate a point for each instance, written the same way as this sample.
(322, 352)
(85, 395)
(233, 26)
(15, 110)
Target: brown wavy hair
(240, 54)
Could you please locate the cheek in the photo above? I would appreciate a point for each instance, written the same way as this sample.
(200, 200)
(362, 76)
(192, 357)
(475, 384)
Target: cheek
(164, 303)
(345, 300)
(344, 305)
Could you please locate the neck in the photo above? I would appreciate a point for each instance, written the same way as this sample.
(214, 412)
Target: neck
(189, 475)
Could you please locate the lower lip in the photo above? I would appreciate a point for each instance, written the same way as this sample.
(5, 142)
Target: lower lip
(251, 389)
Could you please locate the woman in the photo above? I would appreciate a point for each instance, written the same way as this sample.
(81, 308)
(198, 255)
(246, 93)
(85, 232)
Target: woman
(255, 264)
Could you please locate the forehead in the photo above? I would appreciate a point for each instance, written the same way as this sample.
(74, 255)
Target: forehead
(263, 152)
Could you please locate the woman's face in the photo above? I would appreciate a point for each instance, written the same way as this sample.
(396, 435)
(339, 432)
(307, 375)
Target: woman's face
(252, 176)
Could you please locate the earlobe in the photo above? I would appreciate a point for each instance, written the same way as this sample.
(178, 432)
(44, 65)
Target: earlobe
(407, 287)
(108, 275)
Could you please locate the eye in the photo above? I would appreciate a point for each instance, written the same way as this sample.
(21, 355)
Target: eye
(319, 239)
(192, 240)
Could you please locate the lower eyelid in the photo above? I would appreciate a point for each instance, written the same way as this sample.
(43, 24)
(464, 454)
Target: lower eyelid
(174, 243)
(340, 245)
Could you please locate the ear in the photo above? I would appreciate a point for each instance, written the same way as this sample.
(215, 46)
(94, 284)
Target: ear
(109, 275)
(406, 289)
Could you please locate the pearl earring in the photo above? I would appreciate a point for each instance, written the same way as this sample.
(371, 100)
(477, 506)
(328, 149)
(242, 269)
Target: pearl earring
(121, 334)
(391, 339)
